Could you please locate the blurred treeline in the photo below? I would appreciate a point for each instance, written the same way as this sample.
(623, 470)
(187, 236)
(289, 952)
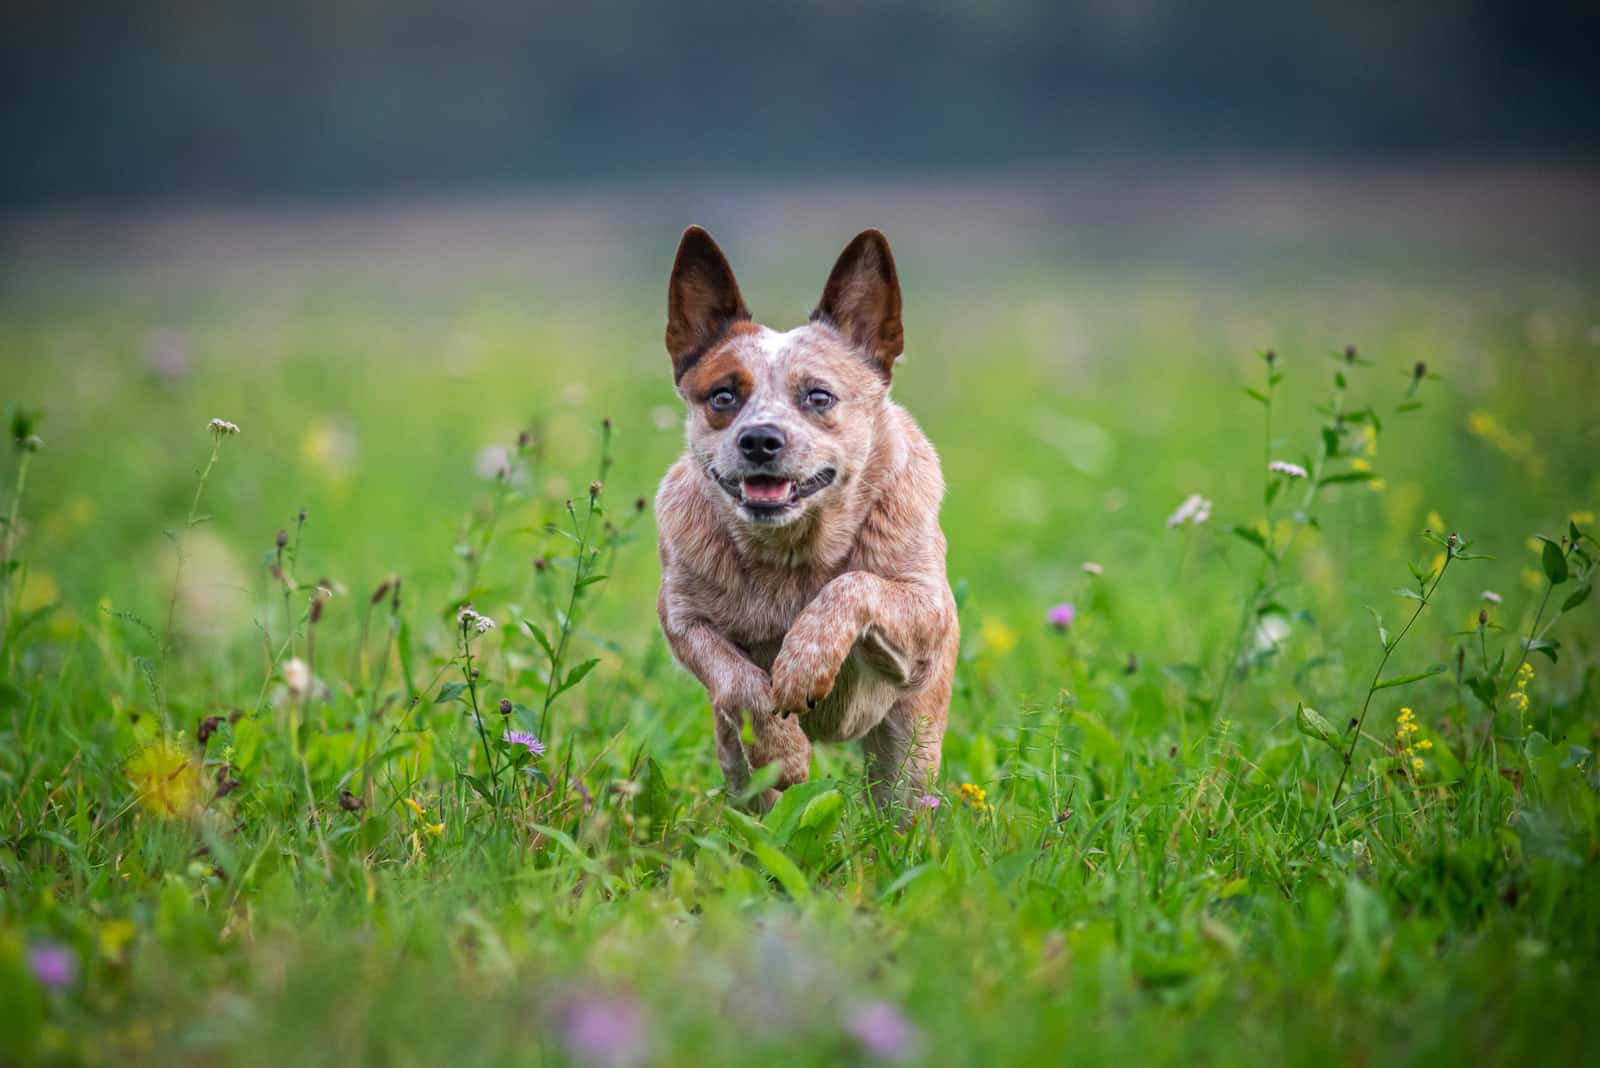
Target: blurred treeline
(157, 98)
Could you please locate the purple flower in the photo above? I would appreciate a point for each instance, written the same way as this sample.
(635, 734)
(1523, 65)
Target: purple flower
(884, 1032)
(1061, 616)
(525, 739)
(605, 1030)
(54, 966)
(928, 801)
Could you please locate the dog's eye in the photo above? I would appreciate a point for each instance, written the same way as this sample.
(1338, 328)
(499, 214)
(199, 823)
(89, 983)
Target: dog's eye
(820, 400)
(724, 400)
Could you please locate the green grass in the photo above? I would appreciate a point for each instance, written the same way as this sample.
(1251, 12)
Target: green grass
(1157, 874)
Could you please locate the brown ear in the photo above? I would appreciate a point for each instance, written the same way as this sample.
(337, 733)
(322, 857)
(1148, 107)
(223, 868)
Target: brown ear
(702, 300)
(862, 300)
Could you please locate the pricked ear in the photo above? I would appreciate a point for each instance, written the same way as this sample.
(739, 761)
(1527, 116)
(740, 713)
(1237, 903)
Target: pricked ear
(702, 300)
(862, 300)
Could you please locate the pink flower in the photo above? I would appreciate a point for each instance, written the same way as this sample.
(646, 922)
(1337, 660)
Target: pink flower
(608, 1031)
(928, 801)
(1061, 616)
(526, 739)
(1194, 510)
(1284, 467)
(884, 1032)
(54, 966)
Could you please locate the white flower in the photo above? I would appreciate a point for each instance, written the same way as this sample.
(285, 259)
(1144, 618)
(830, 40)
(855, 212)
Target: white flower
(1195, 510)
(222, 426)
(1284, 467)
(1491, 596)
(298, 675)
(1092, 568)
(484, 624)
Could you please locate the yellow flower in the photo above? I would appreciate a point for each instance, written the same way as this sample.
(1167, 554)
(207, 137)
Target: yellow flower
(1369, 439)
(996, 637)
(169, 783)
(1582, 519)
(1533, 578)
(38, 590)
(1416, 763)
(1535, 546)
(974, 797)
(1435, 521)
(1358, 464)
(435, 829)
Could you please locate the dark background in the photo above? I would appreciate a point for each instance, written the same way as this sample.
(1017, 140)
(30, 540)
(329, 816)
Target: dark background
(160, 99)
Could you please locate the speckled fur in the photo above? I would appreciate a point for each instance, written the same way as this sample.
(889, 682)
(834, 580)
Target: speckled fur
(835, 623)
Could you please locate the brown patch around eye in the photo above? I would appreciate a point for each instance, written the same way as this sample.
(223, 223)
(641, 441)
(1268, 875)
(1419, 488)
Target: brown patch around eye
(719, 369)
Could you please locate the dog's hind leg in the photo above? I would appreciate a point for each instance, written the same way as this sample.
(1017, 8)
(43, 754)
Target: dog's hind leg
(903, 751)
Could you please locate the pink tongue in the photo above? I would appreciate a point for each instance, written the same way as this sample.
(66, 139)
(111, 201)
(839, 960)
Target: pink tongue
(766, 489)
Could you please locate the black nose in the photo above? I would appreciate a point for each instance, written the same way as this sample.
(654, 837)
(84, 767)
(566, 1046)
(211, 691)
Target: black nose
(761, 444)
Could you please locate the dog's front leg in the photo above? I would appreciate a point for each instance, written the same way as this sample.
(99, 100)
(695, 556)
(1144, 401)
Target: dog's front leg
(897, 620)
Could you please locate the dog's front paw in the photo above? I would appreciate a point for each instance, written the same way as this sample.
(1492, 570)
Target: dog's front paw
(802, 675)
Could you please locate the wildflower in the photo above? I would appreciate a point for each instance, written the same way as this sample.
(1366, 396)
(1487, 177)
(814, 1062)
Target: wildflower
(53, 966)
(505, 706)
(1284, 467)
(928, 801)
(471, 620)
(31, 443)
(167, 781)
(416, 808)
(1194, 510)
(297, 675)
(884, 1032)
(484, 624)
(435, 829)
(605, 1030)
(221, 427)
(1061, 616)
(996, 637)
(974, 797)
(1490, 596)
(525, 739)
(1092, 568)
(1581, 519)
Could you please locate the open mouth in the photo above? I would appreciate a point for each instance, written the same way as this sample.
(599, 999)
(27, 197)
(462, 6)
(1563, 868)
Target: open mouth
(771, 495)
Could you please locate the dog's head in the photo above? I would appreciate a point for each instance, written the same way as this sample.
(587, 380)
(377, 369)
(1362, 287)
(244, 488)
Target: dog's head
(781, 423)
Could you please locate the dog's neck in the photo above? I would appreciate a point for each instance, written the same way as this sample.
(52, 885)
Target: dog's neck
(824, 537)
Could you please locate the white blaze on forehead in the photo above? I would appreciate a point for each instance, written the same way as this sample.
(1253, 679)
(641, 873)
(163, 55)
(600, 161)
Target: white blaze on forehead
(770, 343)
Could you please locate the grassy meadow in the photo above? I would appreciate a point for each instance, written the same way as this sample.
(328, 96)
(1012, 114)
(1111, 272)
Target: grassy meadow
(1281, 791)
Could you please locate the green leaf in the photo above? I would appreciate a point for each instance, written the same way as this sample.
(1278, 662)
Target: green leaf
(1482, 688)
(1254, 537)
(1402, 591)
(574, 677)
(1577, 597)
(591, 580)
(654, 800)
(1347, 476)
(480, 786)
(1313, 724)
(1403, 680)
(1555, 563)
(1330, 442)
(786, 871)
(1257, 395)
(450, 691)
(539, 636)
(1547, 646)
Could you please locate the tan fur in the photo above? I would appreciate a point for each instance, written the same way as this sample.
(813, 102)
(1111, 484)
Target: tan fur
(834, 621)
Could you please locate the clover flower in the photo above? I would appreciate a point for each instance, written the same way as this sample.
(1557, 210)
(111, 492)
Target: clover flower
(605, 1030)
(1284, 467)
(1092, 568)
(526, 739)
(53, 966)
(1194, 510)
(884, 1032)
(927, 801)
(1061, 616)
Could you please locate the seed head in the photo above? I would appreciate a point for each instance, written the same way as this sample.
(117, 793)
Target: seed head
(1272, 357)
(639, 504)
(377, 594)
(1483, 616)
(282, 539)
(540, 564)
(1419, 370)
(505, 706)
(1350, 354)
(594, 490)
